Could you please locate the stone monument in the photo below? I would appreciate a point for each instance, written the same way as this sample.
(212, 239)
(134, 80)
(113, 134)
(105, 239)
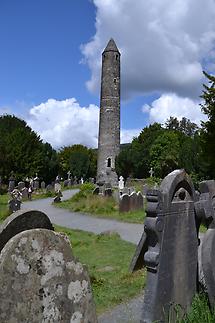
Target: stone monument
(109, 123)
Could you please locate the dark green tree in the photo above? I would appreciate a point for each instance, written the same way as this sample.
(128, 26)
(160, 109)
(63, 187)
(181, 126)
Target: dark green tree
(208, 133)
(80, 160)
(22, 151)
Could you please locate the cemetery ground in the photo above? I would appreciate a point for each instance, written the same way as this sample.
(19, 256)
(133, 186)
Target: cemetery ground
(112, 283)
(105, 207)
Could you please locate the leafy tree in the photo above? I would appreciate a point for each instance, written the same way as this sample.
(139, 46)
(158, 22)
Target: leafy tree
(22, 150)
(184, 125)
(80, 160)
(208, 134)
(124, 162)
(164, 153)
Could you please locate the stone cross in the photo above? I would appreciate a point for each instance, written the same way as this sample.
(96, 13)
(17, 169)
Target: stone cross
(151, 172)
(69, 174)
(121, 183)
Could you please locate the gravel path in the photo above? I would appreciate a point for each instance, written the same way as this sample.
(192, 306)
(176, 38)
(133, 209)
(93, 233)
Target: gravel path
(127, 231)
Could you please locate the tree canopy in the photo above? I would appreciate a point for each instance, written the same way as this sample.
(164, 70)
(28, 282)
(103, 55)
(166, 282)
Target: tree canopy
(23, 152)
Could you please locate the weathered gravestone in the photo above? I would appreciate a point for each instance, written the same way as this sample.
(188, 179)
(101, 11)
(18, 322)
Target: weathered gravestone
(43, 185)
(20, 221)
(57, 187)
(21, 185)
(139, 201)
(11, 184)
(24, 192)
(96, 190)
(108, 192)
(41, 281)
(124, 203)
(15, 202)
(65, 183)
(49, 188)
(133, 201)
(171, 245)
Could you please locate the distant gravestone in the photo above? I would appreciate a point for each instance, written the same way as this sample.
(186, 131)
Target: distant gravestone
(24, 192)
(133, 201)
(57, 187)
(21, 185)
(20, 221)
(43, 185)
(11, 184)
(70, 182)
(56, 285)
(15, 202)
(75, 181)
(49, 188)
(108, 192)
(172, 244)
(139, 201)
(96, 191)
(145, 189)
(66, 182)
(125, 190)
(124, 203)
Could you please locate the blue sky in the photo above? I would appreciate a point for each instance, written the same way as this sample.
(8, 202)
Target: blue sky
(50, 61)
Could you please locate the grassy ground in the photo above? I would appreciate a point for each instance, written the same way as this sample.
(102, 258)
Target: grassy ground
(4, 212)
(107, 258)
(199, 312)
(99, 206)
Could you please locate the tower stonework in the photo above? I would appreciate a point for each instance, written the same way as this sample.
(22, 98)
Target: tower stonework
(109, 123)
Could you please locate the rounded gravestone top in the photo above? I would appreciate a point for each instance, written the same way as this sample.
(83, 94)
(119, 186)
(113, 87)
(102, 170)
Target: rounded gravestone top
(41, 281)
(20, 221)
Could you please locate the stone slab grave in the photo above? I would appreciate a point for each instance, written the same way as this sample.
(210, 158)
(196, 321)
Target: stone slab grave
(20, 221)
(40, 280)
(168, 248)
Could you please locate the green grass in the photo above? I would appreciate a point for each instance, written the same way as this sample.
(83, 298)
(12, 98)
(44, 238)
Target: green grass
(4, 211)
(107, 258)
(99, 206)
(199, 313)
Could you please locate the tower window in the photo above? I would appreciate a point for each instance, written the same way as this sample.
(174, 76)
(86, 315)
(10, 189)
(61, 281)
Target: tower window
(117, 57)
(114, 80)
(109, 162)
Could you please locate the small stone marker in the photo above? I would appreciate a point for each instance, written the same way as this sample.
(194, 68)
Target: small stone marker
(20, 221)
(21, 185)
(24, 192)
(49, 188)
(43, 185)
(57, 187)
(11, 184)
(15, 201)
(41, 281)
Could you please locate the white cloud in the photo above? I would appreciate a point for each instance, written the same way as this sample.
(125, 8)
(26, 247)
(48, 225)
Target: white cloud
(163, 43)
(172, 105)
(127, 135)
(63, 123)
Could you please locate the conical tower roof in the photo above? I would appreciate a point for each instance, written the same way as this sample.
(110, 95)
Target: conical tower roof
(111, 46)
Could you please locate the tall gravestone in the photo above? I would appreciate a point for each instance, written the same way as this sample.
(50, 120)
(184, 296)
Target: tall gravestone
(172, 243)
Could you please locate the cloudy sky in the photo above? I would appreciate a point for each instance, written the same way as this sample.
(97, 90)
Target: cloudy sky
(50, 62)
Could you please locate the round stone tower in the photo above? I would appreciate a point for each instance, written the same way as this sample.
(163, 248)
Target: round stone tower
(109, 123)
